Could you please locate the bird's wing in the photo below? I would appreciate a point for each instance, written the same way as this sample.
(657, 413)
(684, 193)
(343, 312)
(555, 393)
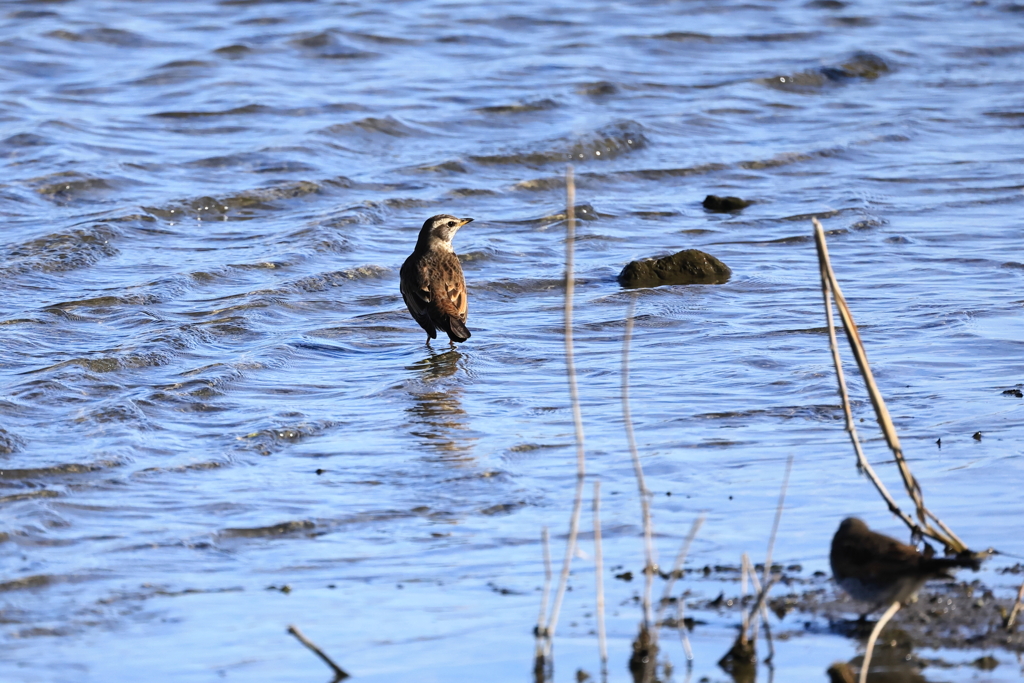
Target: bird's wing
(449, 289)
(417, 298)
(885, 557)
(457, 294)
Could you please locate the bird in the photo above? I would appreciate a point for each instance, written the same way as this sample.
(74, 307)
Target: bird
(879, 570)
(432, 283)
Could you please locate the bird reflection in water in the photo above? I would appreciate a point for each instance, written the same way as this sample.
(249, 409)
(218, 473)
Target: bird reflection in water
(437, 415)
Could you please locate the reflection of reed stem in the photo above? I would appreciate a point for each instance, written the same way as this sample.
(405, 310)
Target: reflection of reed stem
(599, 579)
(645, 497)
(830, 289)
(570, 369)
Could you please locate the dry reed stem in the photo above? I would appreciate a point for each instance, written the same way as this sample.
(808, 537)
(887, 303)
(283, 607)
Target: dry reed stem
(1017, 606)
(744, 571)
(651, 566)
(778, 518)
(339, 673)
(602, 642)
(581, 471)
(830, 289)
(764, 618)
(768, 557)
(546, 595)
(893, 609)
(677, 570)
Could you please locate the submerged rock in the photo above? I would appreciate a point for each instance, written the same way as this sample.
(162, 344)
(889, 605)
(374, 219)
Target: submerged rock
(688, 267)
(725, 204)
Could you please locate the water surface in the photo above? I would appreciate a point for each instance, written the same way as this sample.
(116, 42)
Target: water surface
(211, 388)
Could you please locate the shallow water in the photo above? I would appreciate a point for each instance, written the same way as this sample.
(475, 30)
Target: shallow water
(211, 386)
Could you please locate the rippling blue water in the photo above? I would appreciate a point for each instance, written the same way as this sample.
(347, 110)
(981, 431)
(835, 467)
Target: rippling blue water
(211, 387)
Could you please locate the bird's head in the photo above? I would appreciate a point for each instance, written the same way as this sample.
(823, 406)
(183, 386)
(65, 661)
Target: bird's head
(439, 230)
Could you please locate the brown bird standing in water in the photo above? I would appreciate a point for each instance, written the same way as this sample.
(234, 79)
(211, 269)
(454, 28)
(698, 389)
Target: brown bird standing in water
(880, 570)
(432, 283)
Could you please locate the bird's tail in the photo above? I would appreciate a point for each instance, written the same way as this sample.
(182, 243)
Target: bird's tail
(457, 330)
(965, 559)
(448, 319)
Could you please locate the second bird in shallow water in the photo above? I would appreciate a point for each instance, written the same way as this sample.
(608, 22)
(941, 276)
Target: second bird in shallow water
(432, 283)
(880, 570)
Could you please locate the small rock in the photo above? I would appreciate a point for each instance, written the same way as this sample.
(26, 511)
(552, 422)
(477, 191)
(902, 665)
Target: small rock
(977, 436)
(688, 267)
(986, 663)
(1014, 392)
(624, 576)
(725, 204)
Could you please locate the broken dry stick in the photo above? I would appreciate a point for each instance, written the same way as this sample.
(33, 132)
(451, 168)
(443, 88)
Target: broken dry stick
(339, 673)
(830, 289)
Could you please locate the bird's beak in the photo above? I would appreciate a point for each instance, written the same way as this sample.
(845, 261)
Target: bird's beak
(464, 221)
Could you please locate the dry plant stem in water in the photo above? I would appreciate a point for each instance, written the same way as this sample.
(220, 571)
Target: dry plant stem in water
(677, 571)
(570, 367)
(893, 608)
(1017, 606)
(599, 579)
(545, 596)
(768, 556)
(339, 673)
(651, 566)
(830, 289)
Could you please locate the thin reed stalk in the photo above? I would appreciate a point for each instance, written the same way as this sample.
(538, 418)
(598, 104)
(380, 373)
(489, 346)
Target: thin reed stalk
(677, 572)
(1018, 604)
(778, 518)
(650, 567)
(866, 663)
(768, 558)
(581, 469)
(764, 618)
(546, 595)
(745, 570)
(830, 290)
(602, 643)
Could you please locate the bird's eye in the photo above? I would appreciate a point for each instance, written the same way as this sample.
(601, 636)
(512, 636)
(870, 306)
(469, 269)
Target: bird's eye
(451, 224)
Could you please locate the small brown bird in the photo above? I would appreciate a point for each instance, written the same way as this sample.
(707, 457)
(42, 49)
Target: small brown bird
(431, 280)
(880, 570)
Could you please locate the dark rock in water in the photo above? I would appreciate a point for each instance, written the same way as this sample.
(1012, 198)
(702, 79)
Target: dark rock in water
(861, 65)
(724, 204)
(689, 267)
